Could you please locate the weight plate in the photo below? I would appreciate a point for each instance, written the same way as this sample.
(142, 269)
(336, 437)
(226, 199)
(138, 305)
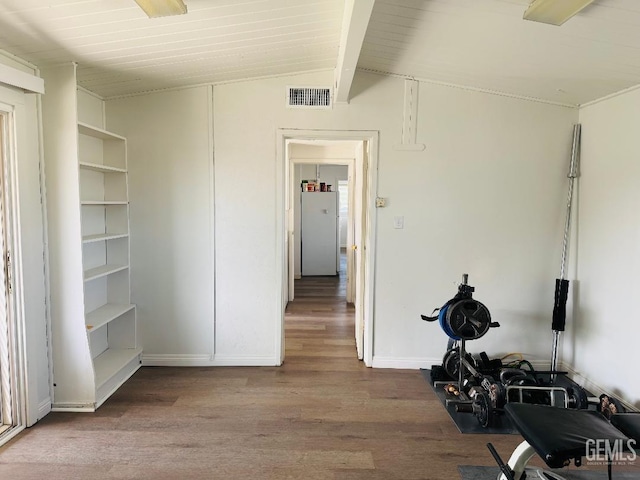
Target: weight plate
(442, 317)
(497, 394)
(467, 319)
(451, 363)
(483, 409)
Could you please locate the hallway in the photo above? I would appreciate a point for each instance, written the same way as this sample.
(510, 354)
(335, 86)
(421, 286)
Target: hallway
(319, 323)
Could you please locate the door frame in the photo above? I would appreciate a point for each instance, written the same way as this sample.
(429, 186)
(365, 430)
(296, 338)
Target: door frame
(350, 163)
(283, 207)
(16, 336)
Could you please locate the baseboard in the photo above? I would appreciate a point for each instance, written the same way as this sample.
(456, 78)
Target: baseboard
(404, 363)
(245, 361)
(64, 407)
(174, 360)
(44, 408)
(178, 360)
(421, 362)
(594, 388)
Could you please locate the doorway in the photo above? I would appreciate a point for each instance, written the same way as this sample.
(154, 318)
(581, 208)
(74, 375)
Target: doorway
(11, 415)
(323, 220)
(359, 253)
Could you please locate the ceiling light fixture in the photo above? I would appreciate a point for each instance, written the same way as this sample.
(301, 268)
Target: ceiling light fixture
(162, 8)
(554, 12)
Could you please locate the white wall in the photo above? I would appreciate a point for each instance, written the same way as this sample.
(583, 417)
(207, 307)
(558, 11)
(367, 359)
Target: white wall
(31, 226)
(170, 184)
(90, 109)
(602, 345)
(484, 198)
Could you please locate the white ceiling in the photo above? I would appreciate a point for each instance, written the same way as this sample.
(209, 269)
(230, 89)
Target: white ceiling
(119, 50)
(486, 44)
(478, 43)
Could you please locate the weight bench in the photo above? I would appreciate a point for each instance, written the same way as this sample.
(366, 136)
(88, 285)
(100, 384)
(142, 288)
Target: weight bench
(560, 435)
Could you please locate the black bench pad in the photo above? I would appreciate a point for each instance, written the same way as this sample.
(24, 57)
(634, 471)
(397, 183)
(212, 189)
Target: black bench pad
(627, 423)
(559, 434)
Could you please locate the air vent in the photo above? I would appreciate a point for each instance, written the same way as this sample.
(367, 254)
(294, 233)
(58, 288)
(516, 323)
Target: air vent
(308, 97)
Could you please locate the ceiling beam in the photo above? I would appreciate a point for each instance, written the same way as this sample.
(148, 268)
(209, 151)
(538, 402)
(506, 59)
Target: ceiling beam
(357, 14)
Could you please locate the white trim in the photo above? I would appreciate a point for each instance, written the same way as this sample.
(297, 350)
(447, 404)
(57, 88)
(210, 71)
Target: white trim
(15, 304)
(212, 216)
(62, 407)
(174, 360)
(44, 408)
(45, 247)
(281, 253)
(413, 363)
(22, 80)
(244, 361)
(405, 363)
(610, 96)
(372, 71)
(370, 244)
(21, 61)
(188, 360)
(222, 82)
(371, 137)
(410, 113)
(89, 92)
(471, 89)
(11, 433)
(324, 160)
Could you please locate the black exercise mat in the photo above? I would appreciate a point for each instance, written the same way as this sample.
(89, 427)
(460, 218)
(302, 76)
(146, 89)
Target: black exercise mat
(470, 472)
(467, 422)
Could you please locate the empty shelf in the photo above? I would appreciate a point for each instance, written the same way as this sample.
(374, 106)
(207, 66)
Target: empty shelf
(103, 315)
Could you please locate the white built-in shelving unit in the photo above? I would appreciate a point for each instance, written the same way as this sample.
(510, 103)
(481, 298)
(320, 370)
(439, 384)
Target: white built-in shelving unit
(94, 340)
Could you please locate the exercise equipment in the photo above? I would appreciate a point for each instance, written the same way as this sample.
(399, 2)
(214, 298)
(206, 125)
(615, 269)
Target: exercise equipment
(562, 285)
(480, 362)
(463, 317)
(560, 436)
(484, 386)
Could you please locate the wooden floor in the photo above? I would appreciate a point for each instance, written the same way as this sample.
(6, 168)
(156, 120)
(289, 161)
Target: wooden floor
(322, 415)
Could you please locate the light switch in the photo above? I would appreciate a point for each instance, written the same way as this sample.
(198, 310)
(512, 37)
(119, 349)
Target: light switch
(398, 222)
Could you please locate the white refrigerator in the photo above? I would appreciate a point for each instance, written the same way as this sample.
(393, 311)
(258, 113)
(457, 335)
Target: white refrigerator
(319, 233)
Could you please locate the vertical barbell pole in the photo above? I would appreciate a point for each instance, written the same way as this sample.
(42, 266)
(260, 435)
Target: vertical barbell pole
(461, 351)
(562, 285)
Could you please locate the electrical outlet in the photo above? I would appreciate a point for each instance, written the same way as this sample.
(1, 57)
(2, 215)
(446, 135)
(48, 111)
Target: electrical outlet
(381, 202)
